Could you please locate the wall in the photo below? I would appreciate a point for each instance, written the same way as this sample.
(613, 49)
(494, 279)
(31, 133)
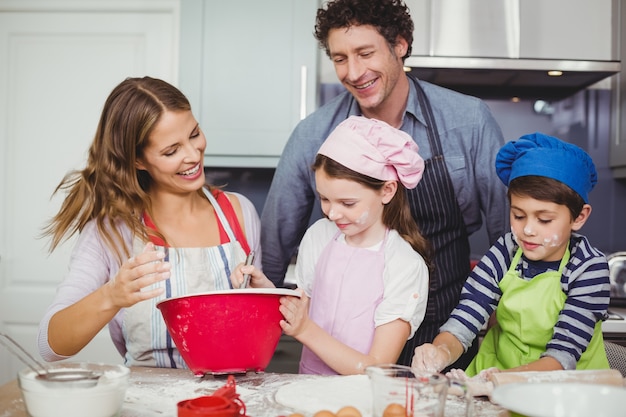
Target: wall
(585, 120)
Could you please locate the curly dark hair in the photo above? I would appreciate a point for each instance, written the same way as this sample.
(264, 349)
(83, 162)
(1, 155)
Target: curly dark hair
(390, 17)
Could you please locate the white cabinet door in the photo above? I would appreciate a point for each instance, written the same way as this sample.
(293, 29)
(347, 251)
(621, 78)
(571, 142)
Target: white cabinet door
(56, 69)
(254, 64)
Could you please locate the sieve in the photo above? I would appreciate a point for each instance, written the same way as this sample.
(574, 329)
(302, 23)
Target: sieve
(59, 377)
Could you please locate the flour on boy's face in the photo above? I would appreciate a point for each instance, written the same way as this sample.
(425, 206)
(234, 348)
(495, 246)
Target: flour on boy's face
(542, 229)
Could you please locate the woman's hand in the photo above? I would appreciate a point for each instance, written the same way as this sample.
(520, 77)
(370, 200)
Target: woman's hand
(136, 274)
(257, 278)
(295, 311)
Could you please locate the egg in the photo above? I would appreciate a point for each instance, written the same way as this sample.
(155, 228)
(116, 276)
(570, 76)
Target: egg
(324, 413)
(348, 411)
(394, 410)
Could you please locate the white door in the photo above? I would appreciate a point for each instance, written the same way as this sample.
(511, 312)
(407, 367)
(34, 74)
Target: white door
(57, 66)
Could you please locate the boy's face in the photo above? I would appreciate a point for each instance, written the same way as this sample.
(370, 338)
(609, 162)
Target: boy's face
(541, 228)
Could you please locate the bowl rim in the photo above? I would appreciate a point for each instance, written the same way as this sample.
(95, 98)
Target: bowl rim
(271, 291)
(503, 394)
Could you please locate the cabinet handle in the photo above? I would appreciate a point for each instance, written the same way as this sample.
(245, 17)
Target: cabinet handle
(303, 92)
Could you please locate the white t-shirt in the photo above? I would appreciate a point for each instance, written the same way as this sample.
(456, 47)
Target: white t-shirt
(405, 276)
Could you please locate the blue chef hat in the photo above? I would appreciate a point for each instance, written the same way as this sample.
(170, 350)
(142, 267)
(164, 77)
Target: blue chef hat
(546, 156)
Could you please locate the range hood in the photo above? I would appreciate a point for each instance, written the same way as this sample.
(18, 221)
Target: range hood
(502, 49)
(494, 78)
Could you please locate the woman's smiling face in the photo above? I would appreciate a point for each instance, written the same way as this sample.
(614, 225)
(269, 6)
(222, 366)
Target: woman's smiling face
(174, 154)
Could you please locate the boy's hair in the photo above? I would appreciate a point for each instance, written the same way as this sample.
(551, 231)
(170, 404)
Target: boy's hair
(396, 214)
(390, 17)
(547, 189)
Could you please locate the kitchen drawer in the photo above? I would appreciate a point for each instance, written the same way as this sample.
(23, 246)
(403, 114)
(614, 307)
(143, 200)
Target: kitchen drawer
(286, 358)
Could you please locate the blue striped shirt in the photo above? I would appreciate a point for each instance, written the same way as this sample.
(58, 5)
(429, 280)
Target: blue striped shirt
(585, 281)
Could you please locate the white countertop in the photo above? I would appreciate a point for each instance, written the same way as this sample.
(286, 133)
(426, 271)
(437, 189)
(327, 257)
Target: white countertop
(616, 322)
(155, 392)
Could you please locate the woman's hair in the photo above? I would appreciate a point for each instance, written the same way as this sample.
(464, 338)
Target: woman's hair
(390, 17)
(110, 189)
(547, 189)
(396, 213)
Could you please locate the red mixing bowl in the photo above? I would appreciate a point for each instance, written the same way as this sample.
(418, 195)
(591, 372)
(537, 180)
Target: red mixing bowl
(229, 331)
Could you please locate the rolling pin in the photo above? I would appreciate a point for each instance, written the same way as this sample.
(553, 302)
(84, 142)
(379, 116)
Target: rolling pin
(480, 386)
(595, 376)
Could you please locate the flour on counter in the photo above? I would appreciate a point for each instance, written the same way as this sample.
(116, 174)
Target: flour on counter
(145, 398)
(149, 398)
(331, 393)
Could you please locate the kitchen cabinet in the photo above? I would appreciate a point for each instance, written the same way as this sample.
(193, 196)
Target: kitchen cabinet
(617, 154)
(531, 29)
(250, 70)
(59, 60)
(569, 29)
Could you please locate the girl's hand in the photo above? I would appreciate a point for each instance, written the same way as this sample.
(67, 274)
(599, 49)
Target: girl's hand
(257, 278)
(135, 275)
(295, 311)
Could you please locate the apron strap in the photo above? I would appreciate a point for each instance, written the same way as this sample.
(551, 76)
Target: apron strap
(227, 217)
(440, 219)
(157, 240)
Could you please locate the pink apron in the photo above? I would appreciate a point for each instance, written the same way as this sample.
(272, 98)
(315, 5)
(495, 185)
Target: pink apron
(347, 289)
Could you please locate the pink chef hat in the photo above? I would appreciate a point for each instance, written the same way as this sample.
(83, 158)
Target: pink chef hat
(373, 148)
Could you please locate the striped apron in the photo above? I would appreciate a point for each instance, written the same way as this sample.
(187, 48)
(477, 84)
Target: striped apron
(438, 215)
(194, 270)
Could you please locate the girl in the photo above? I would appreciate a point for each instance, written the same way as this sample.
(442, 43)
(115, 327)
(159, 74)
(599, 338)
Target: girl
(550, 286)
(362, 269)
(149, 228)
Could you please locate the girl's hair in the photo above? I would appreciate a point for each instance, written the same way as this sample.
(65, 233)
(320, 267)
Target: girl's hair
(396, 214)
(547, 189)
(110, 189)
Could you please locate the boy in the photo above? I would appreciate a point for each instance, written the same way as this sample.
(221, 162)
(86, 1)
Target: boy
(550, 286)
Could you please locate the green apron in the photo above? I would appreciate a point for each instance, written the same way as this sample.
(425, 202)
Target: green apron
(527, 314)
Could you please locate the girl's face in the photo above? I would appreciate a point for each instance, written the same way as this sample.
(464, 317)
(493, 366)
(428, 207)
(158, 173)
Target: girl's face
(356, 210)
(174, 154)
(541, 228)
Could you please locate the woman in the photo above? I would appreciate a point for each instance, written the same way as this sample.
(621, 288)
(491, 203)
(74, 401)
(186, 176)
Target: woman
(148, 228)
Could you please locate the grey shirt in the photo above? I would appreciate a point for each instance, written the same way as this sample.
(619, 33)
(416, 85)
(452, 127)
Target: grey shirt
(470, 138)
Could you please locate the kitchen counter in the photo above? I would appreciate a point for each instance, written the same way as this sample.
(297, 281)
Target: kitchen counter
(154, 392)
(616, 322)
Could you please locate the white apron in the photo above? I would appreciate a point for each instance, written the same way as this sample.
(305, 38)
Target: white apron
(194, 270)
(347, 289)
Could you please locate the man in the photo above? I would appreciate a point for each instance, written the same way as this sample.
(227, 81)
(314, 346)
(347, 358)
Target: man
(458, 137)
